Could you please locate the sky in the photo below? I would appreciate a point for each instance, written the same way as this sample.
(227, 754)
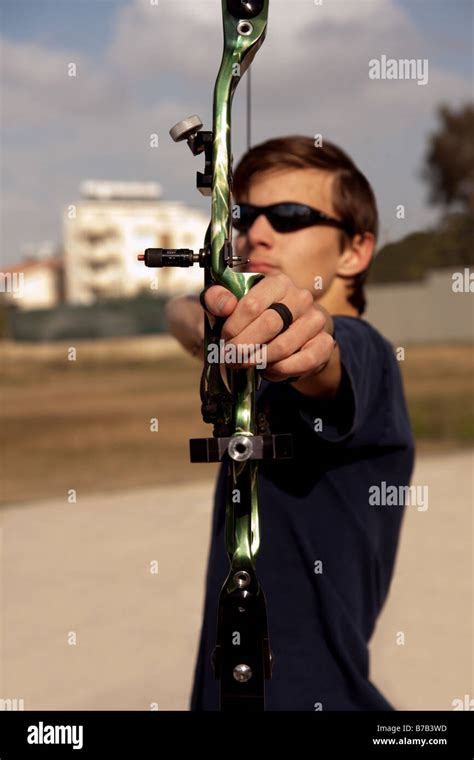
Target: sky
(141, 67)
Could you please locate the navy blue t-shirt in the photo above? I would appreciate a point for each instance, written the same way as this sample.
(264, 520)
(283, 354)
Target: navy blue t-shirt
(326, 555)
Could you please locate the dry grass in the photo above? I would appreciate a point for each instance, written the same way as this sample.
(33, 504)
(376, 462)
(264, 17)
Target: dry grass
(85, 425)
(439, 384)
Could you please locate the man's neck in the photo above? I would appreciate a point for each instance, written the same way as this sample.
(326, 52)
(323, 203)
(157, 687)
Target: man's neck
(337, 305)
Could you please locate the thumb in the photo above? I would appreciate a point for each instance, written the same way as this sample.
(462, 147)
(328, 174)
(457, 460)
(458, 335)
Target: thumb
(219, 301)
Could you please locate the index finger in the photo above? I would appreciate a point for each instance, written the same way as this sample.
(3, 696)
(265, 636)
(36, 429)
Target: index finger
(267, 291)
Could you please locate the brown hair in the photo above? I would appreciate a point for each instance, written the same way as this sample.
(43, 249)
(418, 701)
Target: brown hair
(353, 198)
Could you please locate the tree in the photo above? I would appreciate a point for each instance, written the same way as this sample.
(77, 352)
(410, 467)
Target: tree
(449, 160)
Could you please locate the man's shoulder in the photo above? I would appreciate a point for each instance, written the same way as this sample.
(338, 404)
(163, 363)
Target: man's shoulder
(360, 329)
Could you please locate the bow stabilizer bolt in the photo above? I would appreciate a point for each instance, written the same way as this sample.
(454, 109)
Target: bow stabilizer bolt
(240, 448)
(242, 673)
(242, 579)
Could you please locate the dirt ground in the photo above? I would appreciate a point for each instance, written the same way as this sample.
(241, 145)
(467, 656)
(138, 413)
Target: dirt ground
(85, 424)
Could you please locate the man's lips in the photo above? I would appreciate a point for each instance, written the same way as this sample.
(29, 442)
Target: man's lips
(259, 266)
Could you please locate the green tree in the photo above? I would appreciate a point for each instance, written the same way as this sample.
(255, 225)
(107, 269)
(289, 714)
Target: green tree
(449, 160)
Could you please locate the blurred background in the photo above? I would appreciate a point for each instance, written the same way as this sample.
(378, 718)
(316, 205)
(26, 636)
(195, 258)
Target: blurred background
(104, 523)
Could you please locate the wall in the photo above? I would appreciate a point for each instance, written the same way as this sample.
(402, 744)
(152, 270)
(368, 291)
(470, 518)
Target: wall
(427, 311)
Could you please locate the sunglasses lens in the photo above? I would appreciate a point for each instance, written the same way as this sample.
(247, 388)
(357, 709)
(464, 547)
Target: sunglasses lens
(288, 217)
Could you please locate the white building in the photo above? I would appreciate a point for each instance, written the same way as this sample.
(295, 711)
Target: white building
(111, 225)
(32, 284)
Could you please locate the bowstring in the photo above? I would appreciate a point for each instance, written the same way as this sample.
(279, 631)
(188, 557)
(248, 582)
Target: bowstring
(249, 106)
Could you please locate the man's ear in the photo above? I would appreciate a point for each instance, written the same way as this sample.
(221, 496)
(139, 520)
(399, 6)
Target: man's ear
(357, 255)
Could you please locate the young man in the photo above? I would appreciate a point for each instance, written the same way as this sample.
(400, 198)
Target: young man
(327, 555)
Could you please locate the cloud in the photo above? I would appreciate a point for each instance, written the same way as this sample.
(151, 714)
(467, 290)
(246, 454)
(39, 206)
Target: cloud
(159, 66)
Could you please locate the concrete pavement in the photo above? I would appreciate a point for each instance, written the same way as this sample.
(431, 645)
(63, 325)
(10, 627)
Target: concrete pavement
(87, 625)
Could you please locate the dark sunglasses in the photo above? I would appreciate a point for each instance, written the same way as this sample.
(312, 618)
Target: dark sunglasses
(284, 217)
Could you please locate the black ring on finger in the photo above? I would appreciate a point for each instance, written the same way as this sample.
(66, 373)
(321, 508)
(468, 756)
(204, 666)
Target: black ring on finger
(284, 313)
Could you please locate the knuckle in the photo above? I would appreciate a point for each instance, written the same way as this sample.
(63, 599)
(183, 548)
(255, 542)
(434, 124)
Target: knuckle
(252, 305)
(312, 360)
(329, 343)
(319, 319)
(306, 298)
(322, 351)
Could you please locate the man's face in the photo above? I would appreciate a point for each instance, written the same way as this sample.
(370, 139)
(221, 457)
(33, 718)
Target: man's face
(304, 255)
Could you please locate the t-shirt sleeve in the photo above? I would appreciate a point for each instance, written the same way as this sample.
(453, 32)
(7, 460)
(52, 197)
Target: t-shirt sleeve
(358, 414)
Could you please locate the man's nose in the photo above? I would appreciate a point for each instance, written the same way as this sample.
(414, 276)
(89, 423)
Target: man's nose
(260, 232)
